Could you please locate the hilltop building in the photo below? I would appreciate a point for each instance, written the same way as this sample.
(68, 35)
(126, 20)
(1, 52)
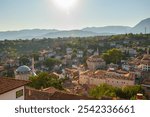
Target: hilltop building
(95, 62)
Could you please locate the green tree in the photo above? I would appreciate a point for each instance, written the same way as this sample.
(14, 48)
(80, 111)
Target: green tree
(127, 92)
(102, 90)
(44, 80)
(112, 56)
(24, 60)
(50, 62)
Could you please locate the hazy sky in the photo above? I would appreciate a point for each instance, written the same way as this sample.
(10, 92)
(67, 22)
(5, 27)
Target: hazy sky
(44, 14)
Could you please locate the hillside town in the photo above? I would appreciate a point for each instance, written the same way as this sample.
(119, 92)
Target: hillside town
(76, 66)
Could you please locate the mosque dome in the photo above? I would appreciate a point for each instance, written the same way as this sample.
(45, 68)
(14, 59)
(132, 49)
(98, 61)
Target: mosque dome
(23, 69)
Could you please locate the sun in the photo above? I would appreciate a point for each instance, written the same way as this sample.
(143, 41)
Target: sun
(65, 4)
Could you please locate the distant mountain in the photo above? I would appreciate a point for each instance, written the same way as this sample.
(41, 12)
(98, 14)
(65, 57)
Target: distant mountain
(86, 32)
(140, 27)
(71, 33)
(109, 29)
(25, 34)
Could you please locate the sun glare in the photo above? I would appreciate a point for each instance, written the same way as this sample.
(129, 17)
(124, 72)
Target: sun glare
(65, 4)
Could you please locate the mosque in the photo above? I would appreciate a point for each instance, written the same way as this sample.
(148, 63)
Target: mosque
(24, 72)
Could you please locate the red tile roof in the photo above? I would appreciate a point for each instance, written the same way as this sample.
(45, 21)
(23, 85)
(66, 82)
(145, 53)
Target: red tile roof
(33, 94)
(8, 84)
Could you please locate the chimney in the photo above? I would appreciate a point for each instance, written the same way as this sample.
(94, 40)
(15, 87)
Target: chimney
(139, 96)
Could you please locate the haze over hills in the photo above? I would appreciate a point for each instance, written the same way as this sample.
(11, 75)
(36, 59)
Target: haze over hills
(25, 34)
(143, 26)
(86, 32)
(70, 33)
(109, 29)
(139, 28)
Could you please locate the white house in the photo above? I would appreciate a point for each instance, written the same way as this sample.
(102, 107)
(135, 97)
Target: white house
(69, 50)
(112, 44)
(41, 58)
(12, 89)
(80, 54)
(126, 67)
(132, 51)
(145, 63)
(90, 51)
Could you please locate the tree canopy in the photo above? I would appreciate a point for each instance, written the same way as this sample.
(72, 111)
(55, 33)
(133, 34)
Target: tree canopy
(127, 92)
(112, 56)
(44, 80)
(50, 62)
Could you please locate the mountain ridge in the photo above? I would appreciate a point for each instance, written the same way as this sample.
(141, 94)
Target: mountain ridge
(142, 27)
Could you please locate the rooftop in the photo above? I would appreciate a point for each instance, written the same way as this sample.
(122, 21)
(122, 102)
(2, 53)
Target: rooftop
(141, 60)
(95, 58)
(102, 74)
(52, 94)
(8, 84)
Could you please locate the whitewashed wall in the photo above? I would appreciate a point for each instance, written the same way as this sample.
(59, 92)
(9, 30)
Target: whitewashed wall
(11, 95)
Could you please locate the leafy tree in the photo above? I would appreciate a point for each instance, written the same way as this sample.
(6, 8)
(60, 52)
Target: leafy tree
(44, 80)
(24, 60)
(127, 92)
(36, 56)
(112, 56)
(50, 62)
(12, 53)
(102, 90)
(8, 73)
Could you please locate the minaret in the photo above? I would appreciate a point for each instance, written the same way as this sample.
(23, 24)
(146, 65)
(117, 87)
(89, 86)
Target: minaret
(97, 52)
(147, 51)
(33, 70)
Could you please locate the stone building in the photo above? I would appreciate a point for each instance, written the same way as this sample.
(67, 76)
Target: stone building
(95, 62)
(116, 78)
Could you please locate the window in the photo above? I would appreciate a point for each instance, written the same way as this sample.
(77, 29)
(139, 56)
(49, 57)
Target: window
(19, 93)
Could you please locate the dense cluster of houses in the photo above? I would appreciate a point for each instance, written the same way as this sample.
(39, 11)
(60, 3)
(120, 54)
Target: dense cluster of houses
(80, 77)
